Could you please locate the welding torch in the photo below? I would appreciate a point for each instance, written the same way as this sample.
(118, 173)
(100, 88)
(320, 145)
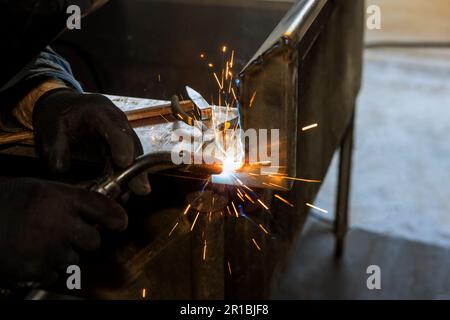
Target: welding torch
(113, 186)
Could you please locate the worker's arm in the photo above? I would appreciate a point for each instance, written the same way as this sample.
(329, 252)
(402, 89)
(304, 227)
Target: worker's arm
(47, 72)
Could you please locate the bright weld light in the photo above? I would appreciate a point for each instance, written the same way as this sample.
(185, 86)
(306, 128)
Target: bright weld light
(317, 208)
(315, 125)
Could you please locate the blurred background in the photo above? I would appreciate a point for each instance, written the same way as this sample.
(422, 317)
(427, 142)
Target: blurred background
(400, 209)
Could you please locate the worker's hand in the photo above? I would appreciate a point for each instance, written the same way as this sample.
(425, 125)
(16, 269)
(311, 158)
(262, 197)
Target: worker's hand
(45, 225)
(67, 122)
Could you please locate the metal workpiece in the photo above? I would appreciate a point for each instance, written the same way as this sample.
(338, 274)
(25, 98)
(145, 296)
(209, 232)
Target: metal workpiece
(290, 31)
(202, 107)
(270, 82)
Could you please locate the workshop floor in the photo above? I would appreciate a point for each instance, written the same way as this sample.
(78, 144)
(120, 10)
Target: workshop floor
(400, 209)
(409, 269)
(401, 167)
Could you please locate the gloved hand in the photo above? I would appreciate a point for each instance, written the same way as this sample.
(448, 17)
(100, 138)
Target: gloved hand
(67, 122)
(44, 225)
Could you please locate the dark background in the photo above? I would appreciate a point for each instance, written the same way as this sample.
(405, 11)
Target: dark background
(124, 47)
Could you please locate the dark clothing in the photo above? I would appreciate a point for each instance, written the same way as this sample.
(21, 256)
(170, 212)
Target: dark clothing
(27, 27)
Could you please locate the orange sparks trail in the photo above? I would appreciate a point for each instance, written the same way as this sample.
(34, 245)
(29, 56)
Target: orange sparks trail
(229, 268)
(195, 220)
(234, 94)
(240, 197)
(237, 214)
(284, 200)
(297, 179)
(252, 99)
(164, 118)
(249, 198)
(263, 229)
(262, 204)
(218, 81)
(229, 212)
(256, 244)
(312, 126)
(144, 293)
(187, 210)
(173, 229)
(204, 251)
(317, 208)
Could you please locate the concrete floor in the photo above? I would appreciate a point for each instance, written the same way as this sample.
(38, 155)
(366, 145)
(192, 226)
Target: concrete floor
(409, 270)
(401, 169)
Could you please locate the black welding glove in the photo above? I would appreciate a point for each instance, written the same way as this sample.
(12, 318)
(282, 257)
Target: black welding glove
(45, 225)
(67, 123)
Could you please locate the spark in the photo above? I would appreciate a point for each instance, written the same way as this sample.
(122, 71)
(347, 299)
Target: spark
(312, 126)
(237, 214)
(224, 49)
(270, 184)
(164, 118)
(204, 251)
(263, 229)
(278, 186)
(252, 99)
(173, 229)
(159, 78)
(240, 197)
(210, 65)
(232, 59)
(249, 198)
(284, 200)
(202, 56)
(256, 244)
(144, 293)
(187, 210)
(262, 203)
(209, 217)
(218, 82)
(229, 268)
(317, 208)
(234, 94)
(195, 220)
(297, 179)
(229, 212)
